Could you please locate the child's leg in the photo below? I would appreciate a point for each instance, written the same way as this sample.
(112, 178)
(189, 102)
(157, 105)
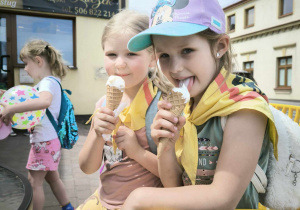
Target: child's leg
(58, 187)
(36, 179)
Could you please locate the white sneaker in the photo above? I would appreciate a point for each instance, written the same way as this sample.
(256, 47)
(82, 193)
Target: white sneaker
(12, 133)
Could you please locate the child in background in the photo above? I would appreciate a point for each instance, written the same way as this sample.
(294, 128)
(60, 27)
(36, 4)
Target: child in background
(214, 163)
(133, 165)
(42, 61)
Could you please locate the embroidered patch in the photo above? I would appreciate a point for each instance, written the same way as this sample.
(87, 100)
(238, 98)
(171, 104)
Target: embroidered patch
(216, 23)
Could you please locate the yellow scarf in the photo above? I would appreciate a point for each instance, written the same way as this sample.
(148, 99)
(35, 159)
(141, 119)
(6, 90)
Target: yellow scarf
(133, 116)
(220, 99)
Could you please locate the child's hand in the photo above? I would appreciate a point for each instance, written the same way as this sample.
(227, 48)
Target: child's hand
(104, 121)
(2, 92)
(6, 114)
(127, 141)
(166, 124)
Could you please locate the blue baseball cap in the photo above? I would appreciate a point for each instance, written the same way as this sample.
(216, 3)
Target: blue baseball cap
(180, 18)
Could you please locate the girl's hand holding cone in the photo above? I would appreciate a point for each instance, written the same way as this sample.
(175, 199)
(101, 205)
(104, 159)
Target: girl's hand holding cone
(177, 98)
(166, 125)
(104, 121)
(104, 118)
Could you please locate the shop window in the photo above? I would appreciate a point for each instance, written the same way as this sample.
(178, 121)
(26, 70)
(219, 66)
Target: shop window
(284, 72)
(58, 32)
(249, 13)
(285, 8)
(231, 23)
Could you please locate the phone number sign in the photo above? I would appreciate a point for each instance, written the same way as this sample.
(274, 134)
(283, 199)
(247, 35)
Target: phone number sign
(92, 8)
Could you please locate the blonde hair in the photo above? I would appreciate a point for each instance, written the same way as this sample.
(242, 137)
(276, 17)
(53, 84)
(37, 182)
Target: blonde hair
(49, 53)
(132, 22)
(125, 22)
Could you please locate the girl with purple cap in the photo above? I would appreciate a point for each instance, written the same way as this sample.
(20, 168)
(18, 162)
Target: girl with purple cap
(227, 130)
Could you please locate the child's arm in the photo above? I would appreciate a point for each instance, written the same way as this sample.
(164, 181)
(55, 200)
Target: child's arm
(243, 137)
(169, 169)
(90, 156)
(43, 102)
(127, 141)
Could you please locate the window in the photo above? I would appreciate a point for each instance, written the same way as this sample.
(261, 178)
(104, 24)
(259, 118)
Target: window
(284, 72)
(285, 8)
(58, 32)
(249, 67)
(249, 17)
(231, 23)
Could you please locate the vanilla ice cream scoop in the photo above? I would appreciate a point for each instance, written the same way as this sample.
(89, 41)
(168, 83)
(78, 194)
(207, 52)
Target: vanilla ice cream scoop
(116, 81)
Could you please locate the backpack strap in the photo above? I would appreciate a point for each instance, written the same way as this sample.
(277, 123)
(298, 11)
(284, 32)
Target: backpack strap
(259, 178)
(150, 114)
(49, 114)
(51, 118)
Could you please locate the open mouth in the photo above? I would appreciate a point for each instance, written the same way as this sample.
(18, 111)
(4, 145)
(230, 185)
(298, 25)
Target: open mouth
(188, 82)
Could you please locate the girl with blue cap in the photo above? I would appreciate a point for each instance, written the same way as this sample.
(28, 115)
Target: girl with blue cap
(227, 129)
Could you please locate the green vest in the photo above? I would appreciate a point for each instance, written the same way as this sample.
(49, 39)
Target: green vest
(210, 138)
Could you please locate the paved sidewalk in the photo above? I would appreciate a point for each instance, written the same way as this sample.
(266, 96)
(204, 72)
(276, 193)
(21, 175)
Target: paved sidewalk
(14, 153)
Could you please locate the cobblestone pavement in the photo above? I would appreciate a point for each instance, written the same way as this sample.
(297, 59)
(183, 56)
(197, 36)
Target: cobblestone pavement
(14, 153)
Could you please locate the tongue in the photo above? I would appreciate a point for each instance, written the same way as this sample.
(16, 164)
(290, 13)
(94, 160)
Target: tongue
(188, 82)
(185, 82)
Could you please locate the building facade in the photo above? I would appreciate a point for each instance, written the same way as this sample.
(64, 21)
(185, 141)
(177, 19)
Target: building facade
(265, 38)
(74, 27)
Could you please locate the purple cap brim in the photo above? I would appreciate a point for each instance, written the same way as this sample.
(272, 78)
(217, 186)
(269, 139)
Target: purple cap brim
(143, 39)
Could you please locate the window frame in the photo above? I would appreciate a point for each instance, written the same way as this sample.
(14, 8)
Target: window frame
(247, 17)
(280, 9)
(14, 36)
(286, 67)
(249, 69)
(229, 23)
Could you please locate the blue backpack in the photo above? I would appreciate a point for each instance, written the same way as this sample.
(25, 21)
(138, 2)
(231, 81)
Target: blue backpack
(66, 127)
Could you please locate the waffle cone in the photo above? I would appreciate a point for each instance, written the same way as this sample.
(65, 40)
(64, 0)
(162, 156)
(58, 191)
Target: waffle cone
(178, 104)
(113, 97)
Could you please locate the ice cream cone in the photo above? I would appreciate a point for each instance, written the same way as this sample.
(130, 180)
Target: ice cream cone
(178, 101)
(113, 97)
(114, 91)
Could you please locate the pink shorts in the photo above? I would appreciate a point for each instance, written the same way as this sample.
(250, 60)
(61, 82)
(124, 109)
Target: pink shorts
(44, 156)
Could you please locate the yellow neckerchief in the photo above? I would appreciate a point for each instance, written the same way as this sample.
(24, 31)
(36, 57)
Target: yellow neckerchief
(220, 99)
(134, 115)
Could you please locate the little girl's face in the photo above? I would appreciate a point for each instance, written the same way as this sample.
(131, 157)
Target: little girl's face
(133, 67)
(31, 67)
(186, 60)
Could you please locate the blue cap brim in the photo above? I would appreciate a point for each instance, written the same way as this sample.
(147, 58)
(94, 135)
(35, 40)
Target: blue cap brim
(143, 39)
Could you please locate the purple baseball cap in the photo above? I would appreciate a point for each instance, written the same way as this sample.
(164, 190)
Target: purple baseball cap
(180, 18)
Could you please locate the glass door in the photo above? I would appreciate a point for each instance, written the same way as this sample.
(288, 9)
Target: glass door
(6, 67)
